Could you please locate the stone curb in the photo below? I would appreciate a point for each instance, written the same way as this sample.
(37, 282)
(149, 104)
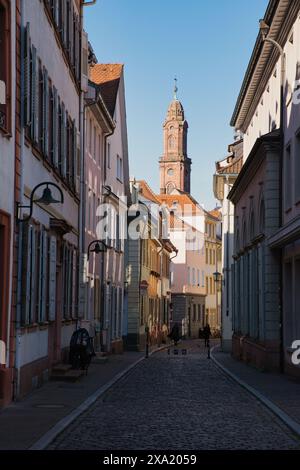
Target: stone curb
(62, 424)
(284, 417)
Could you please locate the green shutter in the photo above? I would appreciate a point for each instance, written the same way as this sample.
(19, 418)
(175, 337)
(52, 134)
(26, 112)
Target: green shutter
(27, 68)
(54, 127)
(34, 73)
(45, 113)
(52, 278)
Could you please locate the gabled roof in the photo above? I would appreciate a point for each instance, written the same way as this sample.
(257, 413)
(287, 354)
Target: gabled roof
(107, 77)
(216, 214)
(232, 164)
(183, 199)
(147, 192)
(254, 160)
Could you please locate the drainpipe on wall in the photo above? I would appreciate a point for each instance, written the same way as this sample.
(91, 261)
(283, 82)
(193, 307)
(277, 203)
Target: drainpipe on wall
(16, 379)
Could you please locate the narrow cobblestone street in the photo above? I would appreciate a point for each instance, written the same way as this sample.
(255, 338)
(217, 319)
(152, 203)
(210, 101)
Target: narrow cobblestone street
(176, 402)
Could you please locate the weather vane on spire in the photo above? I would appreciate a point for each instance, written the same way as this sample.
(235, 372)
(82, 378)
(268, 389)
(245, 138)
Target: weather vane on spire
(175, 88)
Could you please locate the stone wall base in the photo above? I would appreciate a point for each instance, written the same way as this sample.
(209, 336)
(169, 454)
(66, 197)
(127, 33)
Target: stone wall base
(226, 345)
(33, 375)
(6, 386)
(265, 357)
(117, 346)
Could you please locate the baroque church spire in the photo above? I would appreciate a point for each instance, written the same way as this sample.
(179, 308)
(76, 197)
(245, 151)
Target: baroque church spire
(175, 166)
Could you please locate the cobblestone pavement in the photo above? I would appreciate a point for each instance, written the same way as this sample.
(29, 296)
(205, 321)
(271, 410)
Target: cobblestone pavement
(176, 402)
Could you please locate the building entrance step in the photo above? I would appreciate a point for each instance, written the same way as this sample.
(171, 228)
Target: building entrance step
(61, 369)
(70, 376)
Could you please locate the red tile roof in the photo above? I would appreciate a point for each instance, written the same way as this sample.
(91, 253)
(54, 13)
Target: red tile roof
(147, 192)
(107, 77)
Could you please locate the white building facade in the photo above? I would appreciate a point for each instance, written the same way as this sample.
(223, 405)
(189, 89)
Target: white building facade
(266, 194)
(227, 171)
(109, 80)
(8, 19)
(48, 252)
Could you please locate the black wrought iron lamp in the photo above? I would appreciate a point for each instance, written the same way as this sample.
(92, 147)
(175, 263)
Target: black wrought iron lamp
(100, 247)
(217, 277)
(46, 199)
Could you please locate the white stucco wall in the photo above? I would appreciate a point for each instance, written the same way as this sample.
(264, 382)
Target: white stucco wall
(51, 56)
(7, 167)
(269, 112)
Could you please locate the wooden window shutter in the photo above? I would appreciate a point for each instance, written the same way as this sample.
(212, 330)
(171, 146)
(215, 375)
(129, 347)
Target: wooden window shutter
(27, 76)
(69, 269)
(43, 257)
(56, 12)
(74, 151)
(71, 30)
(62, 130)
(77, 49)
(65, 282)
(34, 73)
(26, 273)
(74, 284)
(45, 113)
(55, 128)
(37, 102)
(33, 277)
(63, 143)
(52, 278)
(67, 148)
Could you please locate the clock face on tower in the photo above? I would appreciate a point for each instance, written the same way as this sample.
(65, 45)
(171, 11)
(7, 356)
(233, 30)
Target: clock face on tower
(170, 171)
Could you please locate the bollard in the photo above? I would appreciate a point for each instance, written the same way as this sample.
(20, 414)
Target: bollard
(147, 342)
(208, 350)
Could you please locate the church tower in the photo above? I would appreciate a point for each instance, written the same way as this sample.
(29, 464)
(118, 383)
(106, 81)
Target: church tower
(175, 166)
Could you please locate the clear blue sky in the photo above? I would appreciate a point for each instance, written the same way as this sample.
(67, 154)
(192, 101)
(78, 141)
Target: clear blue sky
(206, 44)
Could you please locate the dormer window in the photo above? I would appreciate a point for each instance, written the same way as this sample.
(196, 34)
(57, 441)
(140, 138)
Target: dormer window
(5, 85)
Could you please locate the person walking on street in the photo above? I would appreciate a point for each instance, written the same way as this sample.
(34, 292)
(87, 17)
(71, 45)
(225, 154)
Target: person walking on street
(175, 335)
(206, 334)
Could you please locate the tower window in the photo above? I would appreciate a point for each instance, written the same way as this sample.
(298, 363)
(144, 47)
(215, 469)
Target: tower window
(170, 188)
(171, 142)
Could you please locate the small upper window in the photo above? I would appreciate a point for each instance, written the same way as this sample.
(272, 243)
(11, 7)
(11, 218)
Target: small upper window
(108, 154)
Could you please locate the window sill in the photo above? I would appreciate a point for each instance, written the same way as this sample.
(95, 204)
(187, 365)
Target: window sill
(29, 328)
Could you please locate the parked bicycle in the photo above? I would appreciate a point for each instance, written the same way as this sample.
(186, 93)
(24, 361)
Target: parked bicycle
(81, 349)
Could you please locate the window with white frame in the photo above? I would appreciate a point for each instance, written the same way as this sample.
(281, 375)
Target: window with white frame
(287, 178)
(119, 168)
(108, 155)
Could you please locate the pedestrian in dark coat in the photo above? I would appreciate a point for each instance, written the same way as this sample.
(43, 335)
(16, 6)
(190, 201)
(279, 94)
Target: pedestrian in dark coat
(174, 335)
(206, 334)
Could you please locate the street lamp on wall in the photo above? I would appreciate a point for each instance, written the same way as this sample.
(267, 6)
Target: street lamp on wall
(217, 277)
(100, 247)
(46, 199)
(264, 28)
